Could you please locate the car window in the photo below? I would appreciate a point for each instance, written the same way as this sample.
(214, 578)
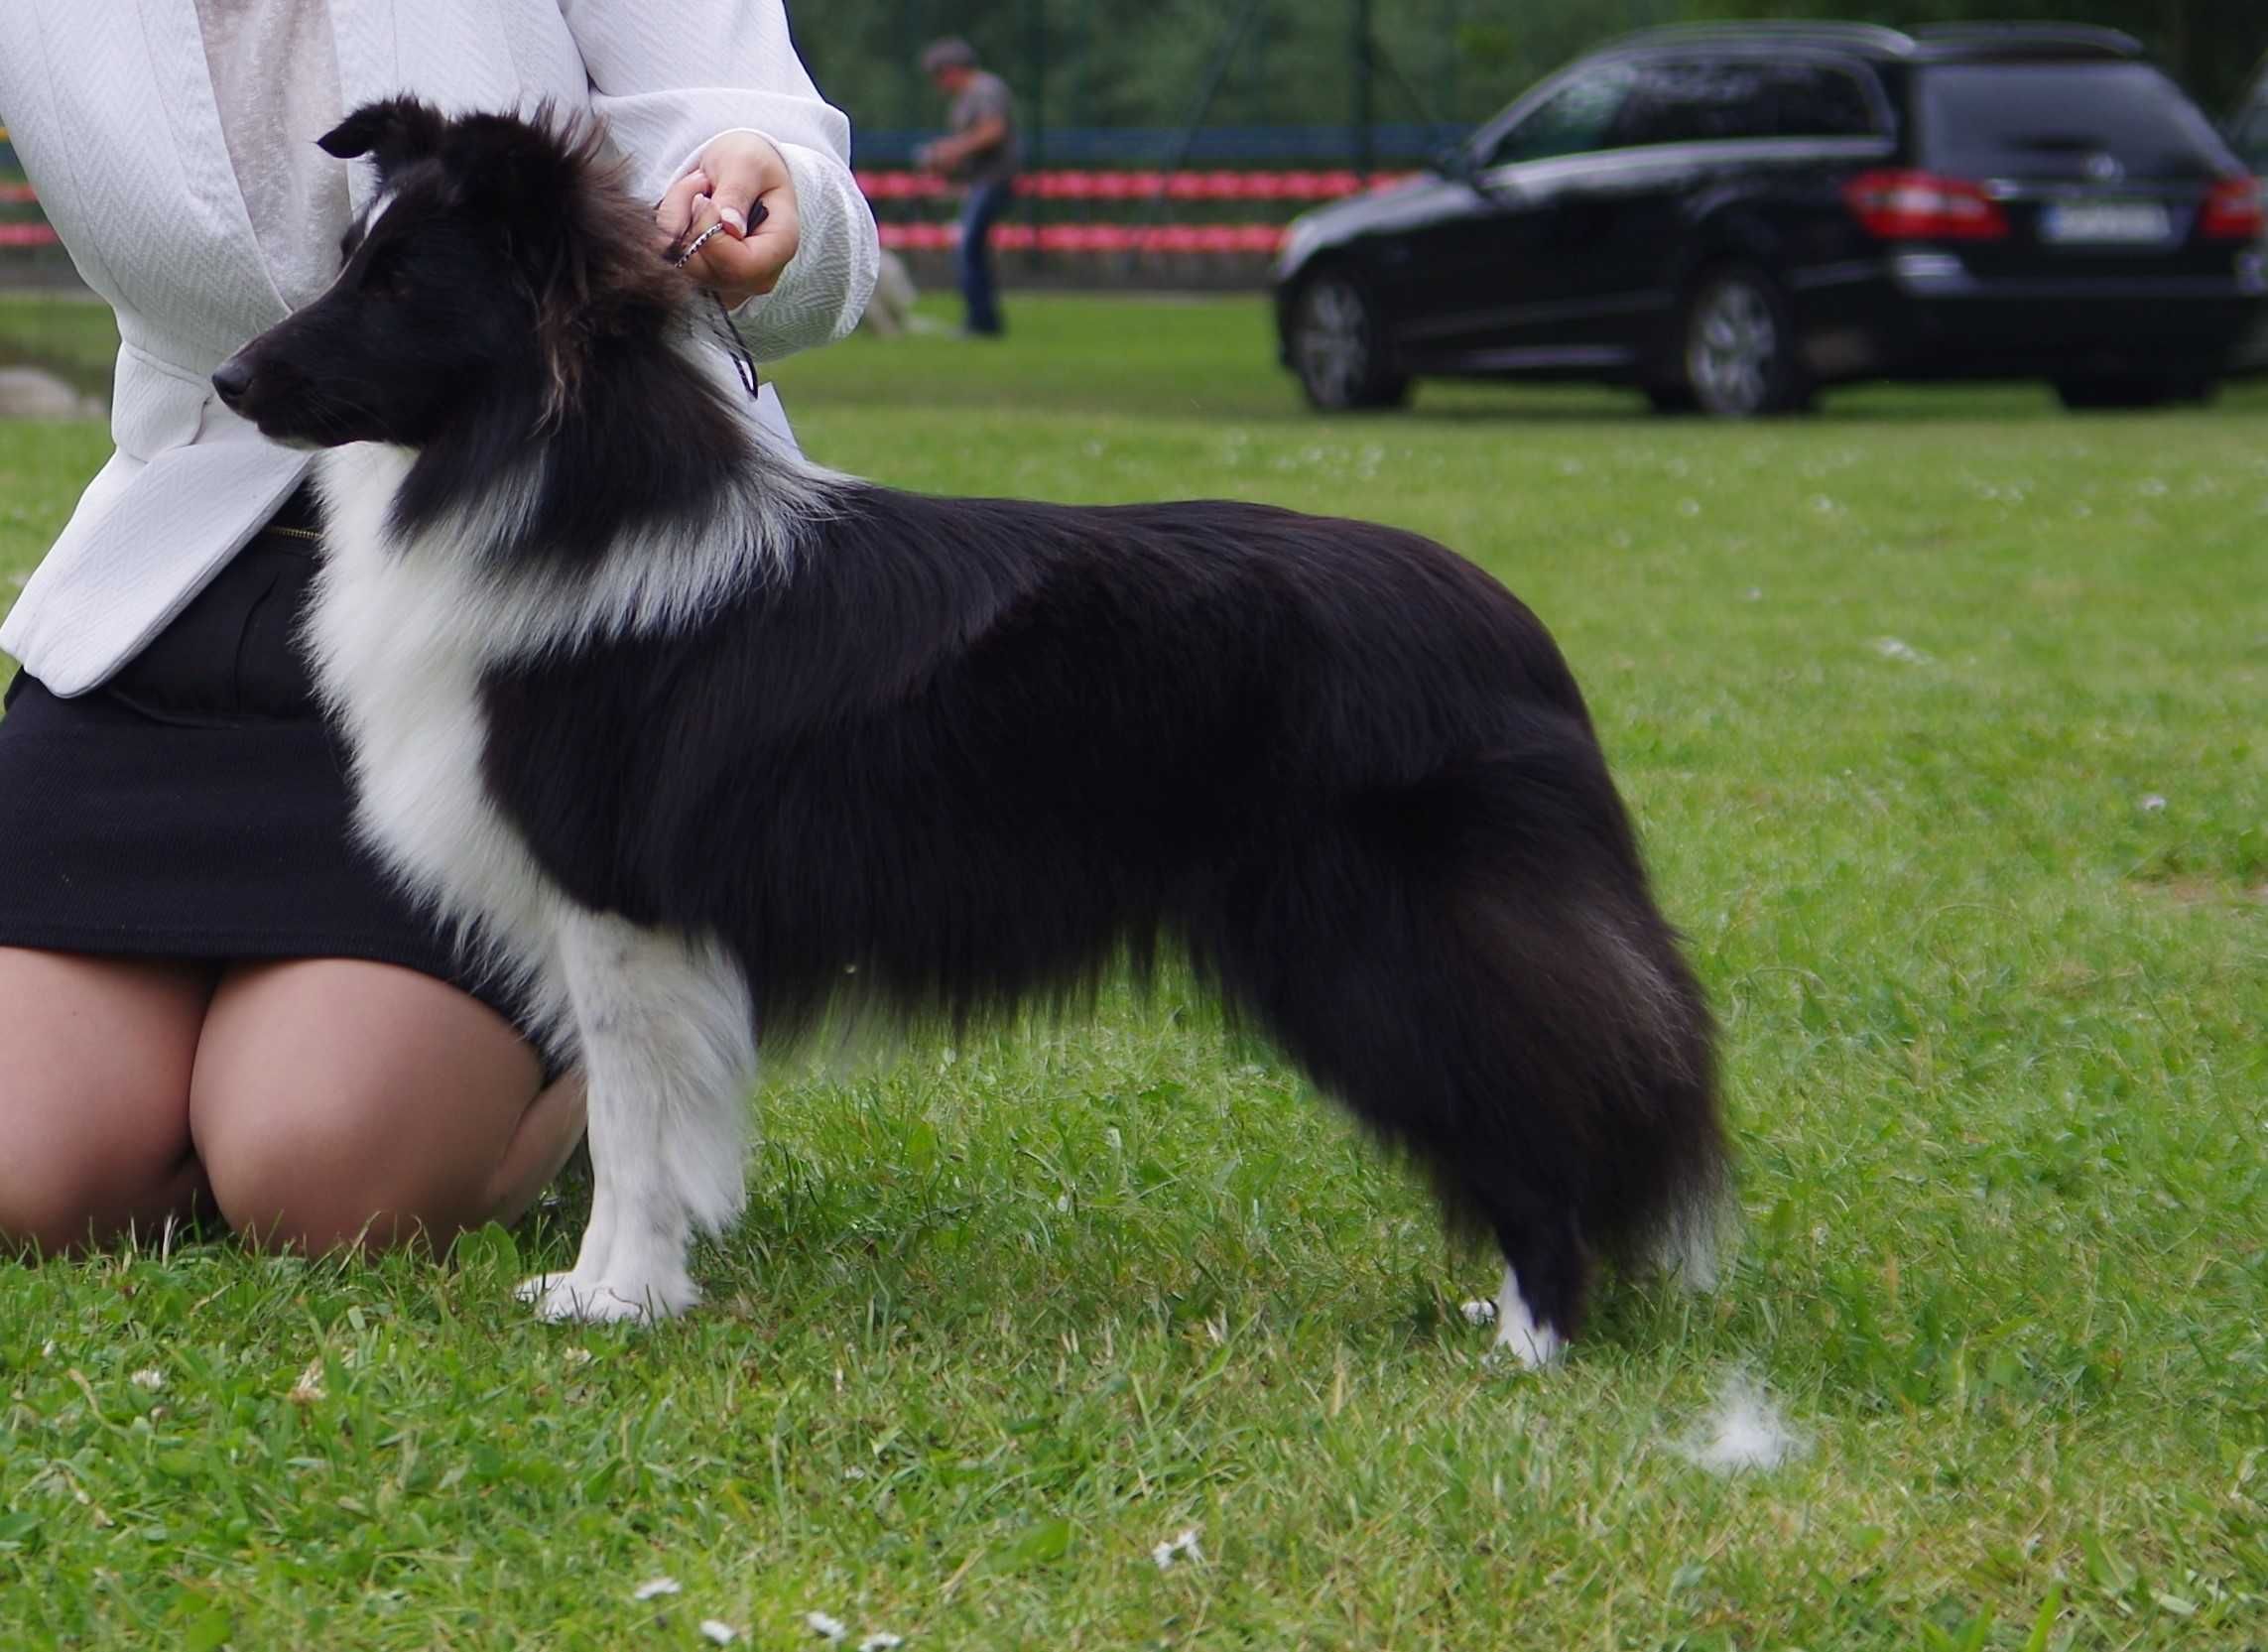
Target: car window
(2100, 121)
(1683, 101)
(1573, 120)
(2250, 134)
(1813, 100)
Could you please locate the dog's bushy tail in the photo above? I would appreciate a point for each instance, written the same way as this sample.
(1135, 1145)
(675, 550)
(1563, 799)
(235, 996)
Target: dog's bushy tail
(1474, 963)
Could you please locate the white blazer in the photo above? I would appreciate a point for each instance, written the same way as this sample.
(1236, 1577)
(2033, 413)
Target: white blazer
(111, 109)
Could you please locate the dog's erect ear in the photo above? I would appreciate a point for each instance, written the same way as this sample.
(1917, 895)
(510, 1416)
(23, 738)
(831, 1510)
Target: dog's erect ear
(547, 186)
(527, 174)
(581, 249)
(394, 131)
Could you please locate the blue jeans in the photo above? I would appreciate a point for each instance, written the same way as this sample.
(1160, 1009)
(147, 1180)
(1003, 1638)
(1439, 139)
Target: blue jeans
(978, 213)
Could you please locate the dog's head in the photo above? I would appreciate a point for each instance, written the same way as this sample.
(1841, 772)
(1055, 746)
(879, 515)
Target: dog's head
(497, 256)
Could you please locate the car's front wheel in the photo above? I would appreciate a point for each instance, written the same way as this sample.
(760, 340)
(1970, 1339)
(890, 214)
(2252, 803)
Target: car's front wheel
(1740, 347)
(1339, 347)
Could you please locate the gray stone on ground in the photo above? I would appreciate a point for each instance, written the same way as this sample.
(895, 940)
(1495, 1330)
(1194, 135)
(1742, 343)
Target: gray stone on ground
(29, 393)
(891, 311)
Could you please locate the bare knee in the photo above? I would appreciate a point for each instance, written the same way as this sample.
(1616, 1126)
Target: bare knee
(79, 1169)
(342, 1103)
(300, 1172)
(95, 1057)
(48, 1208)
(50, 1203)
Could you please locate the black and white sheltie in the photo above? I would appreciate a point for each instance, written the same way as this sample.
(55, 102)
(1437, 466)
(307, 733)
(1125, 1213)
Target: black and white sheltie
(695, 738)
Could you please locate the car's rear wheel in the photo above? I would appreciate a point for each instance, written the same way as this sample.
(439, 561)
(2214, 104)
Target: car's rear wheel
(1740, 346)
(1339, 347)
(2131, 392)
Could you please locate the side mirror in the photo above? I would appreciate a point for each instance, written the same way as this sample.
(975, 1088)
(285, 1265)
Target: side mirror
(1461, 165)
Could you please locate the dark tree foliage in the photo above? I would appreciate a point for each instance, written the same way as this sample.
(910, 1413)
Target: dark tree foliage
(1102, 63)
(2210, 46)
(1106, 63)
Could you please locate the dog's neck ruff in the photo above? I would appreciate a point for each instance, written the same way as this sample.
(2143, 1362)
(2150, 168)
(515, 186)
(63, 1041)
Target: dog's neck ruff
(480, 565)
(408, 623)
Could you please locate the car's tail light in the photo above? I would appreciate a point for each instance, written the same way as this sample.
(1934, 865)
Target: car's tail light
(2233, 211)
(1901, 205)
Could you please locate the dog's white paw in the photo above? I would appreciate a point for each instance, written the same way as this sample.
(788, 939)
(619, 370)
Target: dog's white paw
(571, 1299)
(1530, 1346)
(1520, 1336)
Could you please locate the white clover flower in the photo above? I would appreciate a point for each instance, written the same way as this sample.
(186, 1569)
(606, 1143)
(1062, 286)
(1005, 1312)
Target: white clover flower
(653, 1586)
(151, 1379)
(720, 1631)
(826, 1627)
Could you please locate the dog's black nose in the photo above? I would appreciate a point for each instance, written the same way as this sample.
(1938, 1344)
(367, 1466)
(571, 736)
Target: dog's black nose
(232, 378)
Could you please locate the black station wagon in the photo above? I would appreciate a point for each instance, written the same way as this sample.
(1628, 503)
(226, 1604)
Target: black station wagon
(1732, 217)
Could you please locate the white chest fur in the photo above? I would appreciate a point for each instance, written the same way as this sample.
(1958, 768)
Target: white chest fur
(399, 636)
(402, 633)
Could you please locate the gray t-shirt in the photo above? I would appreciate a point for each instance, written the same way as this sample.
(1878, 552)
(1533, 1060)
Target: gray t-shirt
(984, 97)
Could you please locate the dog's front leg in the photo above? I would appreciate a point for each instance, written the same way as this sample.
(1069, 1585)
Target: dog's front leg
(669, 1049)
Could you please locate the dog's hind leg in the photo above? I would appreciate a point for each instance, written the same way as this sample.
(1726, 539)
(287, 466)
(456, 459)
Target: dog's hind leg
(1601, 1139)
(1477, 971)
(1376, 986)
(667, 1037)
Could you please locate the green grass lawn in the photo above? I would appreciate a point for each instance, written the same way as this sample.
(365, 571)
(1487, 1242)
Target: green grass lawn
(1943, 714)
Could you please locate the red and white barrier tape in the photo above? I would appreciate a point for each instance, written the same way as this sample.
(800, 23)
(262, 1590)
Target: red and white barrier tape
(1249, 238)
(1144, 186)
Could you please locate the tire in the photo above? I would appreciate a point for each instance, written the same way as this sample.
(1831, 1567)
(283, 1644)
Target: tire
(2131, 392)
(1737, 346)
(1336, 342)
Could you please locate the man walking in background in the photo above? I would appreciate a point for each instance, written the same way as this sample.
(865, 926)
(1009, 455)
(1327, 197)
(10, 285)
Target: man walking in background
(980, 152)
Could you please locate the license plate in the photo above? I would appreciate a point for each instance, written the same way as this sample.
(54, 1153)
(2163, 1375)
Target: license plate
(2078, 223)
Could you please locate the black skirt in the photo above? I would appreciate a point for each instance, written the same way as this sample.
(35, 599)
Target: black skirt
(196, 806)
